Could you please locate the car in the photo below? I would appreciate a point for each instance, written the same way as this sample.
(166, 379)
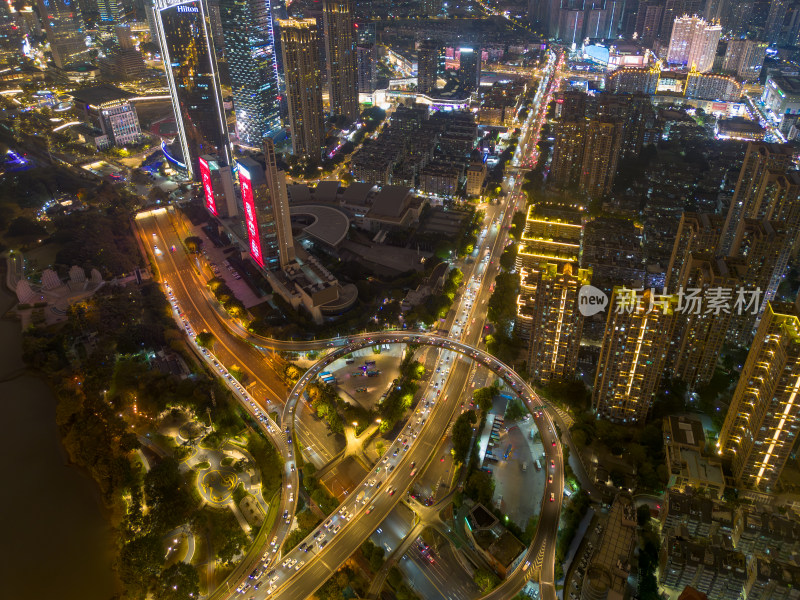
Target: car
(550, 478)
(552, 464)
(336, 529)
(292, 563)
(554, 443)
(372, 482)
(286, 561)
(552, 497)
(328, 523)
(413, 472)
(370, 509)
(390, 491)
(274, 541)
(300, 564)
(286, 516)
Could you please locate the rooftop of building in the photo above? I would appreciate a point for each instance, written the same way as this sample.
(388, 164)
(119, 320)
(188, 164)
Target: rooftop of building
(391, 201)
(357, 193)
(329, 225)
(506, 548)
(100, 94)
(480, 517)
(788, 84)
(683, 430)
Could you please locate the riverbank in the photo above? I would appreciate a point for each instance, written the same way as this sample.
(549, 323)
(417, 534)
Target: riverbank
(58, 539)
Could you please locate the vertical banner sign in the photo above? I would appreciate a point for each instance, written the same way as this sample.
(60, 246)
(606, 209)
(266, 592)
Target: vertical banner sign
(205, 175)
(250, 216)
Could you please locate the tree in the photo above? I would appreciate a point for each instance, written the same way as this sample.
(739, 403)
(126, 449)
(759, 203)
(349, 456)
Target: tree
(643, 515)
(462, 434)
(205, 339)
(23, 226)
(515, 410)
(193, 244)
(178, 582)
(486, 580)
(483, 397)
(480, 487)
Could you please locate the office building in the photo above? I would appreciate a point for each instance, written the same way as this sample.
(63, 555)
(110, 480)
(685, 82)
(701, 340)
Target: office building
(299, 44)
(122, 64)
(266, 214)
(548, 316)
(693, 43)
(250, 53)
(632, 356)
(276, 185)
(63, 25)
(429, 57)
(367, 58)
(600, 157)
(748, 199)
(761, 425)
(745, 58)
(217, 182)
(193, 79)
(469, 69)
(340, 50)
(108, 109)
(775, 21)
(112, 13)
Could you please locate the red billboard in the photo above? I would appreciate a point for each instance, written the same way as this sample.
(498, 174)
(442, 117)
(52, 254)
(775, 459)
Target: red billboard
(250, 216)
(205, 175)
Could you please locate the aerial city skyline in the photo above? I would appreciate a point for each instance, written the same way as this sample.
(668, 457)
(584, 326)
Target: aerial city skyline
(365, 299)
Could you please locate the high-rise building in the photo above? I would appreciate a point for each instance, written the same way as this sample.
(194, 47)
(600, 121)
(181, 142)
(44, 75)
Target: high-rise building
(701, 325)
(600, 157)
(63, 25)
(674, 9)
(428, 63)
(632, 356)
(469, 69)
(367, 70)
(432, 8)
(760, 159)
(760, 428)
(266, 214)
(745, 58)
(775, 18)
(570, 139)
(276, 184)
(340, 49)
(250, 52)
(108, 109)
(549, 238)
(193, 78)
(648, 20)
(112, 13)
(299, 44)
(698, 233)
(547, 308)
(217, 182)
(693, 43)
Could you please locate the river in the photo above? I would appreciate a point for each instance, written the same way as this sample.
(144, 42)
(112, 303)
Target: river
(57, 541)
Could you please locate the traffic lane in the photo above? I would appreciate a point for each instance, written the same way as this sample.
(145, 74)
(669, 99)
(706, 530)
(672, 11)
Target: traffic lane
(443, 571)
(393, 530)
(352, 533)
(175, 268)
(418, 580)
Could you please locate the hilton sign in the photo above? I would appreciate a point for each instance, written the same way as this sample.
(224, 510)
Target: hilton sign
(162, 4)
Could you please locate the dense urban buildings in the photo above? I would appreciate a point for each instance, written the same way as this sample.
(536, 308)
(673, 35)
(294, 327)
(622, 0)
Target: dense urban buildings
(693, 43)
(301, 63)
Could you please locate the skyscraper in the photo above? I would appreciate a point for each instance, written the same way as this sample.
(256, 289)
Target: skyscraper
(761, 425)
(299, 44)
(469, 67)
(775, 19)
(632, 356)
(250, 52)
(340, 48)
(693, 43)
(367, 71)
(759, 160)
(63, 24)
(600, 157)
(697, 233)
(266, 213)
(570, 139)
(745, 58)
(428, 59)
(191, 66)
(549, 238)
(548, 309)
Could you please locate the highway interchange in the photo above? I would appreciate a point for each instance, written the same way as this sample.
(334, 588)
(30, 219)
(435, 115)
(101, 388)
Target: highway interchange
(307, 571)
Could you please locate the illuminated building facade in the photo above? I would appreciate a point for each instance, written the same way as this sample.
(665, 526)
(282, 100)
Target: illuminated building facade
(632, 356)
(697, 233)
(340, 48)
(761, 426)
(191, 66)
(745, 58)
(250, 52)
(429, 64)
(632, 80)
(217, 182)
(266, 212)
(547, 311)
(600, 157)
(367, 55)
(549, 239)
(693, 43)
(469, 69)
(301, 64)
(570, 138)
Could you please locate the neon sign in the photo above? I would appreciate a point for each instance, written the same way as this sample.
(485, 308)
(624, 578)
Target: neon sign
(250, 216)
(205, 176)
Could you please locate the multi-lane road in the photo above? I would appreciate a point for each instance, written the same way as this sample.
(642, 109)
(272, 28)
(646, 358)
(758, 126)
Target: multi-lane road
(306, 571)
